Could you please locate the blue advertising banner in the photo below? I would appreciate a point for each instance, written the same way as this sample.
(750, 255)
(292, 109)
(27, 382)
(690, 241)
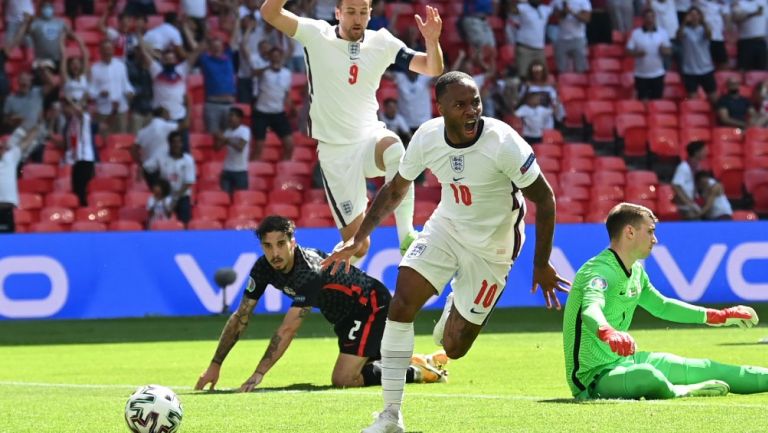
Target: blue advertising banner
(103, 275)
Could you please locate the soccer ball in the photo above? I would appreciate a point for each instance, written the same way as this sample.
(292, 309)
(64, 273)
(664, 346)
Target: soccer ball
(153, 409)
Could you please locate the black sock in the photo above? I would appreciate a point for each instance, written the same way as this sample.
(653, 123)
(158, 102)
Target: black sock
(372, 374)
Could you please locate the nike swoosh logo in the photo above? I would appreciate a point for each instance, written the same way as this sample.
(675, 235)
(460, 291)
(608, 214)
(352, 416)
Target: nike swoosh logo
(472, 310)
(456, 179)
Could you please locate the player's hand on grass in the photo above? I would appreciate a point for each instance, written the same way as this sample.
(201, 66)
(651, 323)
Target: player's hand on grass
(740, 315)
(621, 343)
(431, 26)
(551, 283)
(341, 255)
(252, 382)
(210, 375)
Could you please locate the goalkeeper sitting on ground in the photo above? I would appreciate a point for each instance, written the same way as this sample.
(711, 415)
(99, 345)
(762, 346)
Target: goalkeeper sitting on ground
(601, 360)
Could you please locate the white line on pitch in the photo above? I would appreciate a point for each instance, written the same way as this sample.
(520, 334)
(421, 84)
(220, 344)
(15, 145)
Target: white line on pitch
(686, 402)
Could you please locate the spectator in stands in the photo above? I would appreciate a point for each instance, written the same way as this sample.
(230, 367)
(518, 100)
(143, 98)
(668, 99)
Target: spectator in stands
(530, 36)
(395, 121)
(143, 96)
(271, 103)
(11, 150)
(296, 62)
(715, 15)
(195, 11)
(17, 13)
(166, 36)
(474, 23)
(571, 43)
(218, 71)
(80, 151)
(379, 19)
(760, 100)
(622, 14)
(45, 32)
(538, 82)
(160, 203)
(169, 78)
(751, 18)
(237, 139)
(733, 109)
(683, 181)
(74, 73)
(111, 91)
(152, 142)
(122, 37)
(138, 7)
(325, 10)
(73, 8)
(415, 92)
(259, 62)
(647, 44)
(23, 107)
(716, 205)
(666, 15)
(178, 168)
(535, 117)
(250, 37)
(697, 67)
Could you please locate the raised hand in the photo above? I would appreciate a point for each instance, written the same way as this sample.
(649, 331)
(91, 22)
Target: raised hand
(342, 254)
(431, 26)
(550, 282)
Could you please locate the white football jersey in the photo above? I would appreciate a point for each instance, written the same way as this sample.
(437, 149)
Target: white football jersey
(343, 78)
(481, 203)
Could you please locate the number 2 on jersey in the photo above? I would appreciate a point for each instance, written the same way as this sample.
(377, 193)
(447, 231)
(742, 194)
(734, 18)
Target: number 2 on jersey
(353, 70)
(462, 194)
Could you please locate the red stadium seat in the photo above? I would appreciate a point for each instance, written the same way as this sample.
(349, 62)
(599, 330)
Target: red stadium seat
(106, 184)
(213, 198)
(547, 165)
(297, 168)
(111, 169)
(56, 214)
(304, 154)
(633, 129)
(606, 193)
(641, 192)
(609, 178)
(604, 93)
(166, 225)
(316, 210)
(628, 106)
(662, 120)
(205, 212)
(756, 162)
(241, 224)
(729, 170)
(552, 136)
(567, 218)
(254, 198)
(287, 196)
(291, 182)
(97, 214)
(607, 50)
(47, 227)
(744, 215)
(105, 199)
(261, 168)
(605, 64)
(259, 183)
(88, 226)
(575, 179)
(248, 212)
(121, 156)
(610, 163)
(727, 134)
(39, 186)
(286, 210)
(752, 78)
(38, 171)
(30, 201)
(137, 198)
(205, 224)
(695, 106)
(756, 135)
(573, 99)
(579, 193)
(642, 177)
(62, 199)
(316, 195)
(754, 179)
(694, 120)
(577, 164)
(578, 150)
(664, 142)
(52, 156)
(573, 79)
(604, 79)
(541, 150)
(23, 216)
(120, 141)
(687, 135)
(125, 226)
(136, 214)
(318, 222)
(661, 106)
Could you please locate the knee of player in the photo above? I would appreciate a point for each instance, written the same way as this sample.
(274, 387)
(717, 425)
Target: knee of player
(400, 310)
(648, 377)
(342, 381)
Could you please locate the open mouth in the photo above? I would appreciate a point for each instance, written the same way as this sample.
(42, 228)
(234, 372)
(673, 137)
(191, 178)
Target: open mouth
(470, 127)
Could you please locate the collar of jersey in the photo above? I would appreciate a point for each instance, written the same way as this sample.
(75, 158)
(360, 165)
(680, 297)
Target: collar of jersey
(627, 272)
(465, 145)
(338, 35)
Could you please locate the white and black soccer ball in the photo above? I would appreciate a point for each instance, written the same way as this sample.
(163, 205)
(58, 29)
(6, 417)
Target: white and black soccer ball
(153, 409)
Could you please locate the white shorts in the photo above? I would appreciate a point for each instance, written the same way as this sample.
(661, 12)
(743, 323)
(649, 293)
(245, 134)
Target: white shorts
(345, 169)
(477, 283)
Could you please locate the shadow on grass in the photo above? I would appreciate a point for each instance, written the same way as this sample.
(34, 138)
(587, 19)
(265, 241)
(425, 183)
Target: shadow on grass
(296, 387)
(262, 326)
(574, 401)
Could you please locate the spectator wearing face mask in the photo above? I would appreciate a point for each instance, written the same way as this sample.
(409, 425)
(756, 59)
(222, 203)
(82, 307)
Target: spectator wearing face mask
(45, 32)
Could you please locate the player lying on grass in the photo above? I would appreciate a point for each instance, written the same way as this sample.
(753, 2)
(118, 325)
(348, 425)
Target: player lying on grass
(601, 357)
(355, 303)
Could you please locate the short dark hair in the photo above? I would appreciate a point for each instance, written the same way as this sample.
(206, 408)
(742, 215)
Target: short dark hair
(173, 135)
(339, 2)
(165, 186)
(624, 214)
(447, 79)
(276, 223)
(171, 18)
(694, 147)
(237, 111)
(702, 175)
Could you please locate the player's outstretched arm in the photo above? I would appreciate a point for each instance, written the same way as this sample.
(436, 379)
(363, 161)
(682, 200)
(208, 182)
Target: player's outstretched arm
(234, 328)
(277, 346)
(387, 199)
(278, 17)
(544, 275)
(430, 27)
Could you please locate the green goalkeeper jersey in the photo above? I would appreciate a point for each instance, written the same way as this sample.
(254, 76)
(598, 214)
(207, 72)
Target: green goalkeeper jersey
(604, 292)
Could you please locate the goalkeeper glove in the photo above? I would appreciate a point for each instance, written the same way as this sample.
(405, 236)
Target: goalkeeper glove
(743, 317)
(621, 342)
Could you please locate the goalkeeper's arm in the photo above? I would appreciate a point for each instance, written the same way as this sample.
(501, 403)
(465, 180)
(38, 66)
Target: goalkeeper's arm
(277, 345)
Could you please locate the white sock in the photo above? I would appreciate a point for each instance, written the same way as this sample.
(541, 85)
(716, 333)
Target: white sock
(396, 352)
(404, 213)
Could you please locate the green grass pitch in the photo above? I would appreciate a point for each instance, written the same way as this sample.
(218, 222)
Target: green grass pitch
(75, 376)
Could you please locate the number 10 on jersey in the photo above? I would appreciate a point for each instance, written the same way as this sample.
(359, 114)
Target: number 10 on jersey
(462, 194)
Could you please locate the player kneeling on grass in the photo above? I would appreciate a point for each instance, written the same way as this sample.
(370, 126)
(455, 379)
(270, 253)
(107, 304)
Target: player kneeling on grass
(355, 303)
(601, 358)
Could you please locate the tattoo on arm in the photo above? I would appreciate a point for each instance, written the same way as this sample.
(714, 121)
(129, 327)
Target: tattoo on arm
(274, 343)
(387, 199)
(234, 328)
